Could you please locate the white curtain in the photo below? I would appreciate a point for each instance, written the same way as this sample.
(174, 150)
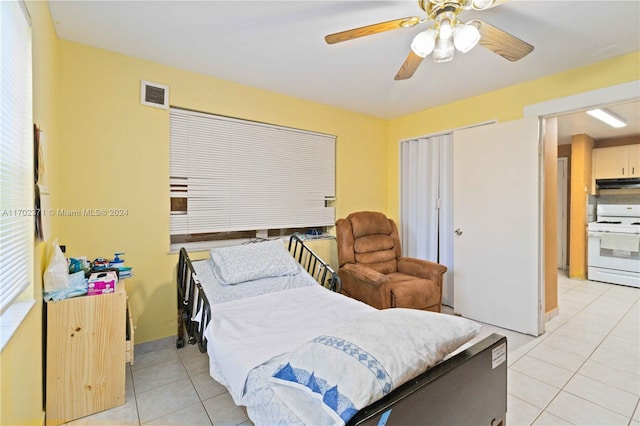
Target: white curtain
(426, 213)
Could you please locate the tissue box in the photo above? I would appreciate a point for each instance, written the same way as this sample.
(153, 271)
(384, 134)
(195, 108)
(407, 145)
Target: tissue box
(102, 283)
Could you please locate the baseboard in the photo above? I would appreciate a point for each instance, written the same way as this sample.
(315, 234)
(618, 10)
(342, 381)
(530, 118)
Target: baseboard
(154, 345)
(551, 314)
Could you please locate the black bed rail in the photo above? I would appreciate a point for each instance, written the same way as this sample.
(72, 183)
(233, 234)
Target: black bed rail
(191, 301)
(186, 285)
(204, 308)
(313, 264)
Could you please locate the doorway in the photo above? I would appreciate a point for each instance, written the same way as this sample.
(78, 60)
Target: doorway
(558, 108)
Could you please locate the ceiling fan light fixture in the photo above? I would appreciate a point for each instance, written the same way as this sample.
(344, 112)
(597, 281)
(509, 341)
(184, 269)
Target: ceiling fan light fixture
(481, 4)
(445, 35)
(443, 51)
(423, 43)
(465, 37)
(445, 31)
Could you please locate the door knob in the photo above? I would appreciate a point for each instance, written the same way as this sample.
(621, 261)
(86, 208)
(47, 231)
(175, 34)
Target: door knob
(458, 232)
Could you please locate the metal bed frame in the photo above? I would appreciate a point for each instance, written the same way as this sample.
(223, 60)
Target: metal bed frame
(470, 388)
(191, 299)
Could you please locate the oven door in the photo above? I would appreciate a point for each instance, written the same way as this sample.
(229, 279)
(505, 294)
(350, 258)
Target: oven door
(621, 260)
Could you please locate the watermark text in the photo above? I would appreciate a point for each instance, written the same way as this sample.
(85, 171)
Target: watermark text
(85, 212)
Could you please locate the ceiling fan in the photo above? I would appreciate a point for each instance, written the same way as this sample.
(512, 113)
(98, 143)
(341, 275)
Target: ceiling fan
(446, 34)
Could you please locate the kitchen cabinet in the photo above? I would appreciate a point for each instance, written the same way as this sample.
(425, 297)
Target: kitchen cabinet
(86, 354)
(634, 159)
(616, 162)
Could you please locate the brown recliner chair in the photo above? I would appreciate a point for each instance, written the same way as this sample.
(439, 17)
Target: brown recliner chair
(373, 270)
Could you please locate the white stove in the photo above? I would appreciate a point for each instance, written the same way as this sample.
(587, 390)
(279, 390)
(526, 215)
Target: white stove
(614, 245)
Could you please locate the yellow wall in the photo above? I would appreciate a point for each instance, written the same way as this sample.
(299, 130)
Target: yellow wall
(503, 105)
(21, 359)
(115, 154)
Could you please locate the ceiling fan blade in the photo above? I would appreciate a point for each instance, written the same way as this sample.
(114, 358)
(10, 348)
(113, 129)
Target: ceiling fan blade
(410, 66)
(372, 29)
(501, 42)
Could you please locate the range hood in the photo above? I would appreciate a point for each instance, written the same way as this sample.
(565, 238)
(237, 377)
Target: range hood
(618, 183)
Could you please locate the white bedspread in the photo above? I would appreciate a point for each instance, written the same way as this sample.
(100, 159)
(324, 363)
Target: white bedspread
(253, 323)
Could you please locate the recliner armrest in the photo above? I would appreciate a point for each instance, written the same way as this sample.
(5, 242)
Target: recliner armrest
(365, 284)
(422, 268)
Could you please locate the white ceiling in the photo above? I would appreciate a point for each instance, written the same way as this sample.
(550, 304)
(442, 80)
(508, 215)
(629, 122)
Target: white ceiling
(279, 45)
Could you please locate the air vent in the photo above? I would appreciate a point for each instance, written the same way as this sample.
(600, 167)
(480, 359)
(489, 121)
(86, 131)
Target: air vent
(154, 94)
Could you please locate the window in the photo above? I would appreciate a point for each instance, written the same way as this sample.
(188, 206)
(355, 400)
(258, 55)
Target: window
(16, 153)
(232, 178)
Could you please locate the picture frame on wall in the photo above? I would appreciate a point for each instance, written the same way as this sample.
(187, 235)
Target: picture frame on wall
(38, 170)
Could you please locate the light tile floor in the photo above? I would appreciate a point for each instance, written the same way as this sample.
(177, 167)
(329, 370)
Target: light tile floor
(585, 370)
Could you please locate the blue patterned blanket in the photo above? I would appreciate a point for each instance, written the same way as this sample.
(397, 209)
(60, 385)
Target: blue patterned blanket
(332, 377)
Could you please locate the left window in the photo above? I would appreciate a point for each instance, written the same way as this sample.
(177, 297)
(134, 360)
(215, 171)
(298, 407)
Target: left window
(16, 153)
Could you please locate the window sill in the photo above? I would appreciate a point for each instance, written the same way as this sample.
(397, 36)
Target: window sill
(11, 319)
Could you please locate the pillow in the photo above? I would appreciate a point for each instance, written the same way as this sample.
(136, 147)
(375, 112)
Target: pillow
(247, 262)
(329, 379)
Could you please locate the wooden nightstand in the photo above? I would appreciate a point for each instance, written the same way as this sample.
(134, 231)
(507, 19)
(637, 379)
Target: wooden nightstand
(86, 355)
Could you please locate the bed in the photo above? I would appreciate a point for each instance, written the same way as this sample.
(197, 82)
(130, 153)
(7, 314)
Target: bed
(293, 350)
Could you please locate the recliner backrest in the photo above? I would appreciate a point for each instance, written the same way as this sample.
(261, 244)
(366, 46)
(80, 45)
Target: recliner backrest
(370, 239)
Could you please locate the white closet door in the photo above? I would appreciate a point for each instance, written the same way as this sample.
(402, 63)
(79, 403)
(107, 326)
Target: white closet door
(496, 211)
(426, 203)
(419, 197)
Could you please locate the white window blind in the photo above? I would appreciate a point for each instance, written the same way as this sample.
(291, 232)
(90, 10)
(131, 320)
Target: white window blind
(16, 152)
(240, 175)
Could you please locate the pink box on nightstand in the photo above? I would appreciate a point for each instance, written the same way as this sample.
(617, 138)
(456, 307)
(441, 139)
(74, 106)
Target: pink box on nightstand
(102, 283)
